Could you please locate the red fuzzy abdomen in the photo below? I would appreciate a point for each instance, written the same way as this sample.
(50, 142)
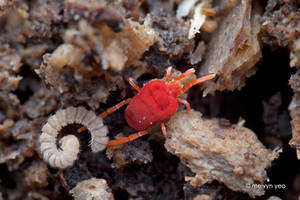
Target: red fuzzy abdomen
(155, 102)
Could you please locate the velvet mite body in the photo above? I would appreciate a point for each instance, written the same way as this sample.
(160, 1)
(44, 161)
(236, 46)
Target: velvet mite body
(155, 102)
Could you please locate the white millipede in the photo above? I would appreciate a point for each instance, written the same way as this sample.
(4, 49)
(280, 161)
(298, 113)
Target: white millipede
(69, 145)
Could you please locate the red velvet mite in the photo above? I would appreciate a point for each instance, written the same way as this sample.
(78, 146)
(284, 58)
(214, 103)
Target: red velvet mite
(155, 102)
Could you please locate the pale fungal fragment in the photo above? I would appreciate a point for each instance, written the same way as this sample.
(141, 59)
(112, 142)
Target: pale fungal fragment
(197, 21)
(232, 155)
(92, 189)
(185, 7)
(202, 197)
(69, 144)
(65, 54)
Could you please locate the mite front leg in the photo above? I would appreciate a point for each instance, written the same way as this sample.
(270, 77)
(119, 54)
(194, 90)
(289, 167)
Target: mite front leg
(197, 81)
(114, 108)
(184, 74)
(108, 112)
(168, 75)
(131, 82)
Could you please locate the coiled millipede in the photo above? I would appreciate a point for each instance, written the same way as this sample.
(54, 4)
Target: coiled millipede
(69, 145)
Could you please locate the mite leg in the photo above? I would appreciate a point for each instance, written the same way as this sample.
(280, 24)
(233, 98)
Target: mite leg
(131, 137)
(131, 82)
(168, 74)
(209, 11)
(114, 108)
(163, 128)
(184, 102)
(184, 74)
(109, 111)
(197, 81)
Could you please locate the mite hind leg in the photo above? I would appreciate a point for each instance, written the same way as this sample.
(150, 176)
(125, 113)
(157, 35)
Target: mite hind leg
(185, 103)
(131, 137)
(163, 129)
(115, 107)
(197, 81)
(122, 103)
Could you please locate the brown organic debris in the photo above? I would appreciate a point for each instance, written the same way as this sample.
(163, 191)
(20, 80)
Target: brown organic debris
(127, 46)
(276, 120)
(295, 53)
(95, 12)
(280, 27)
(10, 64)
(37, 21)
(5, 128)
(198, 54)
(24, 133)
(79, 65)
(281, 21)
(66, 70)
(231, 155)
(136, 151)
(5, 6)
(36, 175)
(172, 33)
(41, 103)
(234, 48)
(295, 113)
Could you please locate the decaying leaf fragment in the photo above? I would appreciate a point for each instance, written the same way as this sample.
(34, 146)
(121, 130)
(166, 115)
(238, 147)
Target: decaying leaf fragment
(232, 155)
(234, 48)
